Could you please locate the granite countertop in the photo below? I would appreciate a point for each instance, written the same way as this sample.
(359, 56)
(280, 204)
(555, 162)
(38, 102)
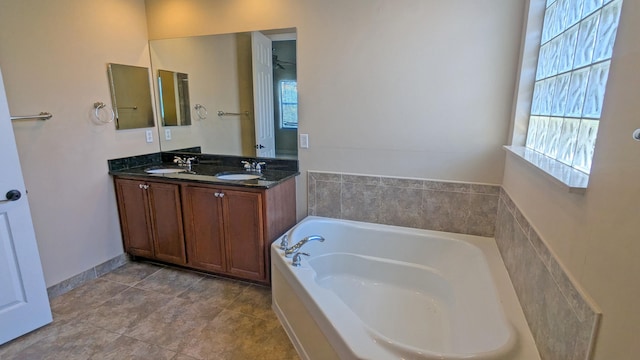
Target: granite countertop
(203, 172)
(206, 174)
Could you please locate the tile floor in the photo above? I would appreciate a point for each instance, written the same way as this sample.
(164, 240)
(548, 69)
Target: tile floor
(148, 311)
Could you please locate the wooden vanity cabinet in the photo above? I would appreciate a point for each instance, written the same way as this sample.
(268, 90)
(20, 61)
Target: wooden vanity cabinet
(151, 219)
(224, 231)
(228, 230)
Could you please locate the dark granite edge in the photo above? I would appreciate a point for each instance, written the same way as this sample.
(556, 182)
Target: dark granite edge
(275, 170)
(270, 178)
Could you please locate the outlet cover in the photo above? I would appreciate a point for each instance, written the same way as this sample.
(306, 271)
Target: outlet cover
(304, 141)
(149, 135)
(167, 134)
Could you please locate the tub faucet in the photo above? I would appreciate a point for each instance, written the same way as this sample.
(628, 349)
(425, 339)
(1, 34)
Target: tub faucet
(295, 248)
(296, 258)
(284, 243)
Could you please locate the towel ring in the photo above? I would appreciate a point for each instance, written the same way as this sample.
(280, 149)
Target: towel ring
(98, 105)
(201, 111)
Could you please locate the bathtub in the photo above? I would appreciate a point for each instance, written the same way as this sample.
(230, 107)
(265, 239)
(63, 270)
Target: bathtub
(373, 291)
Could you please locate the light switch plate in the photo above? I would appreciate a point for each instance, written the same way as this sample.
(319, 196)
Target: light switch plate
(167, 134)
(149, 135)
(304, 141)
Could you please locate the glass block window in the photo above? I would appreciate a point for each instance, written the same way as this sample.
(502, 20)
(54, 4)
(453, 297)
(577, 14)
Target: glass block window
(289, 104)
(573, 67)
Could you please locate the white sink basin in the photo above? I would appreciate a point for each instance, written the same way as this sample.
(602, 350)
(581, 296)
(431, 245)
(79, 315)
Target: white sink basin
(164, 171)
(238, 176)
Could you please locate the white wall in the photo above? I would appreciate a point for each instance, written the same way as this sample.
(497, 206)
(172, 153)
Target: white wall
(595, 235)
(415, 88)
(54, 56)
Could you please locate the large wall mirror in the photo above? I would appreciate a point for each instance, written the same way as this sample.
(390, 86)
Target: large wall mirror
(130, 96)
(251, 77)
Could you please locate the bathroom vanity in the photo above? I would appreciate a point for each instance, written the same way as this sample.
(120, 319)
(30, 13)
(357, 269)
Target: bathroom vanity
(197, 220)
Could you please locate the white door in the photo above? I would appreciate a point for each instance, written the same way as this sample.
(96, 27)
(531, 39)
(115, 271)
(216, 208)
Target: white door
(24, 304)
(262, 64)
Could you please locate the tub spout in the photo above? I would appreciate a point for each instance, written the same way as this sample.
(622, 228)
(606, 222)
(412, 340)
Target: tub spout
(292, 250)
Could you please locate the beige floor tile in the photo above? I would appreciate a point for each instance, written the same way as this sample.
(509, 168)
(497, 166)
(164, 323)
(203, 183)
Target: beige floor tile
(218, 291)
(80, 341)
(58, 326)
(123, 311)
(126, 348)
(276, 347)
(173, 324)
(169, 281)
(228, 336)
(145, 311)
(255, 301)
(85, 297)
(183, 357)
(132, 273)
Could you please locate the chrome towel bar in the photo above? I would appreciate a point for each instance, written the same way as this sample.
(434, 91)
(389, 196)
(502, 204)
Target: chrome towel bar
(223, 113)
(41, 116)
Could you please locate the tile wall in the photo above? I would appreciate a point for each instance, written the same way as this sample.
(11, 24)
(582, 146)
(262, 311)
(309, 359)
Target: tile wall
(561, 318)
(465, 208)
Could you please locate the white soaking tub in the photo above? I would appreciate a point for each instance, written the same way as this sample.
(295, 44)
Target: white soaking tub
(373, 291)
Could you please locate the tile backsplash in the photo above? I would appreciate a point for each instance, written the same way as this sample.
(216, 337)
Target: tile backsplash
(465, 208)
(562, 320)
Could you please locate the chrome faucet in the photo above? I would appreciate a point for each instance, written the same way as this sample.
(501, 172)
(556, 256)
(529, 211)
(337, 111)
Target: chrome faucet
(253, 165)
(186, 162)
(295, 248)
(296, 258)
(284, 243)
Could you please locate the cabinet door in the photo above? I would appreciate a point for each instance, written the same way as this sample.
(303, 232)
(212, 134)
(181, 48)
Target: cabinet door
(244, 241)
(166, 219)
(134, 217)
(203, 228)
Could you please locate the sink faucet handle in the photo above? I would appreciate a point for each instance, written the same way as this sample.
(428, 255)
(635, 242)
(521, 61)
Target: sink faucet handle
(284, 243)
(259, 166)
(296, 258)
(247, 165)
(180, 161)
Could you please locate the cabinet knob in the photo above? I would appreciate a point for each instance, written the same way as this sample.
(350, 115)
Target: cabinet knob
(218, 194)
(143, 186)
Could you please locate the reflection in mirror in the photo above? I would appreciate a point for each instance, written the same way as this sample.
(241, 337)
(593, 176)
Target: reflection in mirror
(173, 89)
(130, 96)
(221, 78)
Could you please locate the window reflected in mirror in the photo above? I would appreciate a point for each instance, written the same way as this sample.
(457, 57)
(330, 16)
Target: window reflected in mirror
(288, 104)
